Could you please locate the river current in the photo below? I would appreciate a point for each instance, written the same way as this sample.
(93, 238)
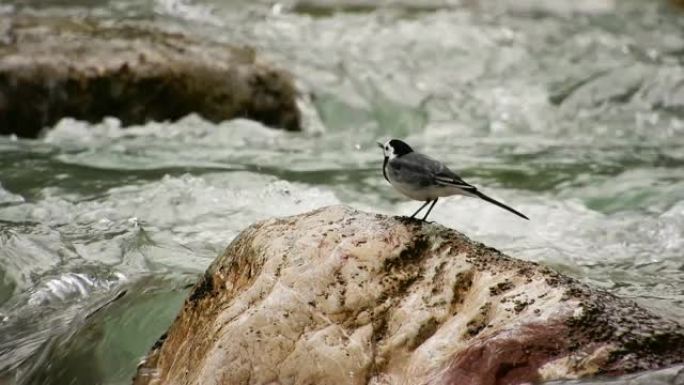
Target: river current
(571, 112)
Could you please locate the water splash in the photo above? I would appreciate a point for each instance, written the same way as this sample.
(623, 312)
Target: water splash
(571, 114)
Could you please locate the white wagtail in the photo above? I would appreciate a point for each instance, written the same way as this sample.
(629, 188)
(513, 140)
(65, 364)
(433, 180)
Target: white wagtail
(425, 179)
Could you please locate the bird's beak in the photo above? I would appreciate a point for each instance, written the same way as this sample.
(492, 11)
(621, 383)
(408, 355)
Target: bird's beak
(381, 145)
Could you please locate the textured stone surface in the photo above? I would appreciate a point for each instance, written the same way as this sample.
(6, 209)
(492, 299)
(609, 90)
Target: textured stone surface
(338, 296)
(56, 67)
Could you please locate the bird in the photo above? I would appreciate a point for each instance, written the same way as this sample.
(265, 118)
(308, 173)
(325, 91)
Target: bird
(423, 178)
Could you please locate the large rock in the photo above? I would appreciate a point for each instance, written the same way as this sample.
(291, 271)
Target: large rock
(338, 296)
(56, 67)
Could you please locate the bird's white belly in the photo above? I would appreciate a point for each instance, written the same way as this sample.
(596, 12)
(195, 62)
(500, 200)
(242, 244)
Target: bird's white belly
(427, 193)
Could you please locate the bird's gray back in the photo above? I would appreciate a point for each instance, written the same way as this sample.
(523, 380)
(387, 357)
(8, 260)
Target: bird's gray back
(414, 168)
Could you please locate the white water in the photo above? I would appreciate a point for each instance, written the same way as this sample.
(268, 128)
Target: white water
(572, 116)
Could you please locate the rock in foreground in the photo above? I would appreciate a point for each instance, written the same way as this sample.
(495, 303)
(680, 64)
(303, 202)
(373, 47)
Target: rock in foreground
(338, 296)
(55, 67)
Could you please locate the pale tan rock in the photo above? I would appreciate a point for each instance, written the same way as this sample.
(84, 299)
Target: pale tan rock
(338, 296)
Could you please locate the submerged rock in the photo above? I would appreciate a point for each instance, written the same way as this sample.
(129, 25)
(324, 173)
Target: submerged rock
(55, 67)
(338, 296)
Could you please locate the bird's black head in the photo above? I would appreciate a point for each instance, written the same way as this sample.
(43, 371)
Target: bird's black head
(394, 148)
(400, 148)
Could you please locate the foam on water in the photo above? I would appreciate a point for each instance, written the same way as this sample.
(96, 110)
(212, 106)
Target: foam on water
(8, 197)
(569, 113)
(71, 285)
(201, 213)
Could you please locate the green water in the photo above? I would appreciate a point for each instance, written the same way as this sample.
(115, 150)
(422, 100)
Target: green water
(572, 114)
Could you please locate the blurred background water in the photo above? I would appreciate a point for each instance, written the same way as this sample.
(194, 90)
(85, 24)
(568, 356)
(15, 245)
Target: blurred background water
(571, 112)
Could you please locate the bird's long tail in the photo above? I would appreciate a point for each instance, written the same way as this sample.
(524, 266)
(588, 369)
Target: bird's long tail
(494, 201)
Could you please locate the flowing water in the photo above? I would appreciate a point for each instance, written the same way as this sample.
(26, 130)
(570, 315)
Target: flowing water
(571, 112)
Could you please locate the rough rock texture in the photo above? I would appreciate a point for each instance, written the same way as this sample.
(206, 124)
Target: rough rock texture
(54, 67)
(338, 296)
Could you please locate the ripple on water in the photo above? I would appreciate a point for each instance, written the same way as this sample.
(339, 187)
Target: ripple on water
(110, 332)
(141, 225)
(7, 197)
(571, 113)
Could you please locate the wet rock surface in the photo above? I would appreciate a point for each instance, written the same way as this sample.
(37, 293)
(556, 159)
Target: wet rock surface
(65, 67)
(338, 296)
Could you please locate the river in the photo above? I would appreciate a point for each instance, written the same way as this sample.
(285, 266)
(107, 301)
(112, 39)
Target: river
(571, 112)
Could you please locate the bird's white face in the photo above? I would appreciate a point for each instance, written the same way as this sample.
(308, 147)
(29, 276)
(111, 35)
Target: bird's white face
(387, 149)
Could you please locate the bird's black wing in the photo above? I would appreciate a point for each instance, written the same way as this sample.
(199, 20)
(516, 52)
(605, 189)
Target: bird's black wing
(448, 180)
(444, 176)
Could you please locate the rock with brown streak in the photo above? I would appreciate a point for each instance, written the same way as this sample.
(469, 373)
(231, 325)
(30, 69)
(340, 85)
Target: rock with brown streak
(338, 296)
(59, 67)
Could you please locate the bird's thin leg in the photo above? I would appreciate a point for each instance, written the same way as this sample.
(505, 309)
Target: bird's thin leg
(421, 207)
(430, 209)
